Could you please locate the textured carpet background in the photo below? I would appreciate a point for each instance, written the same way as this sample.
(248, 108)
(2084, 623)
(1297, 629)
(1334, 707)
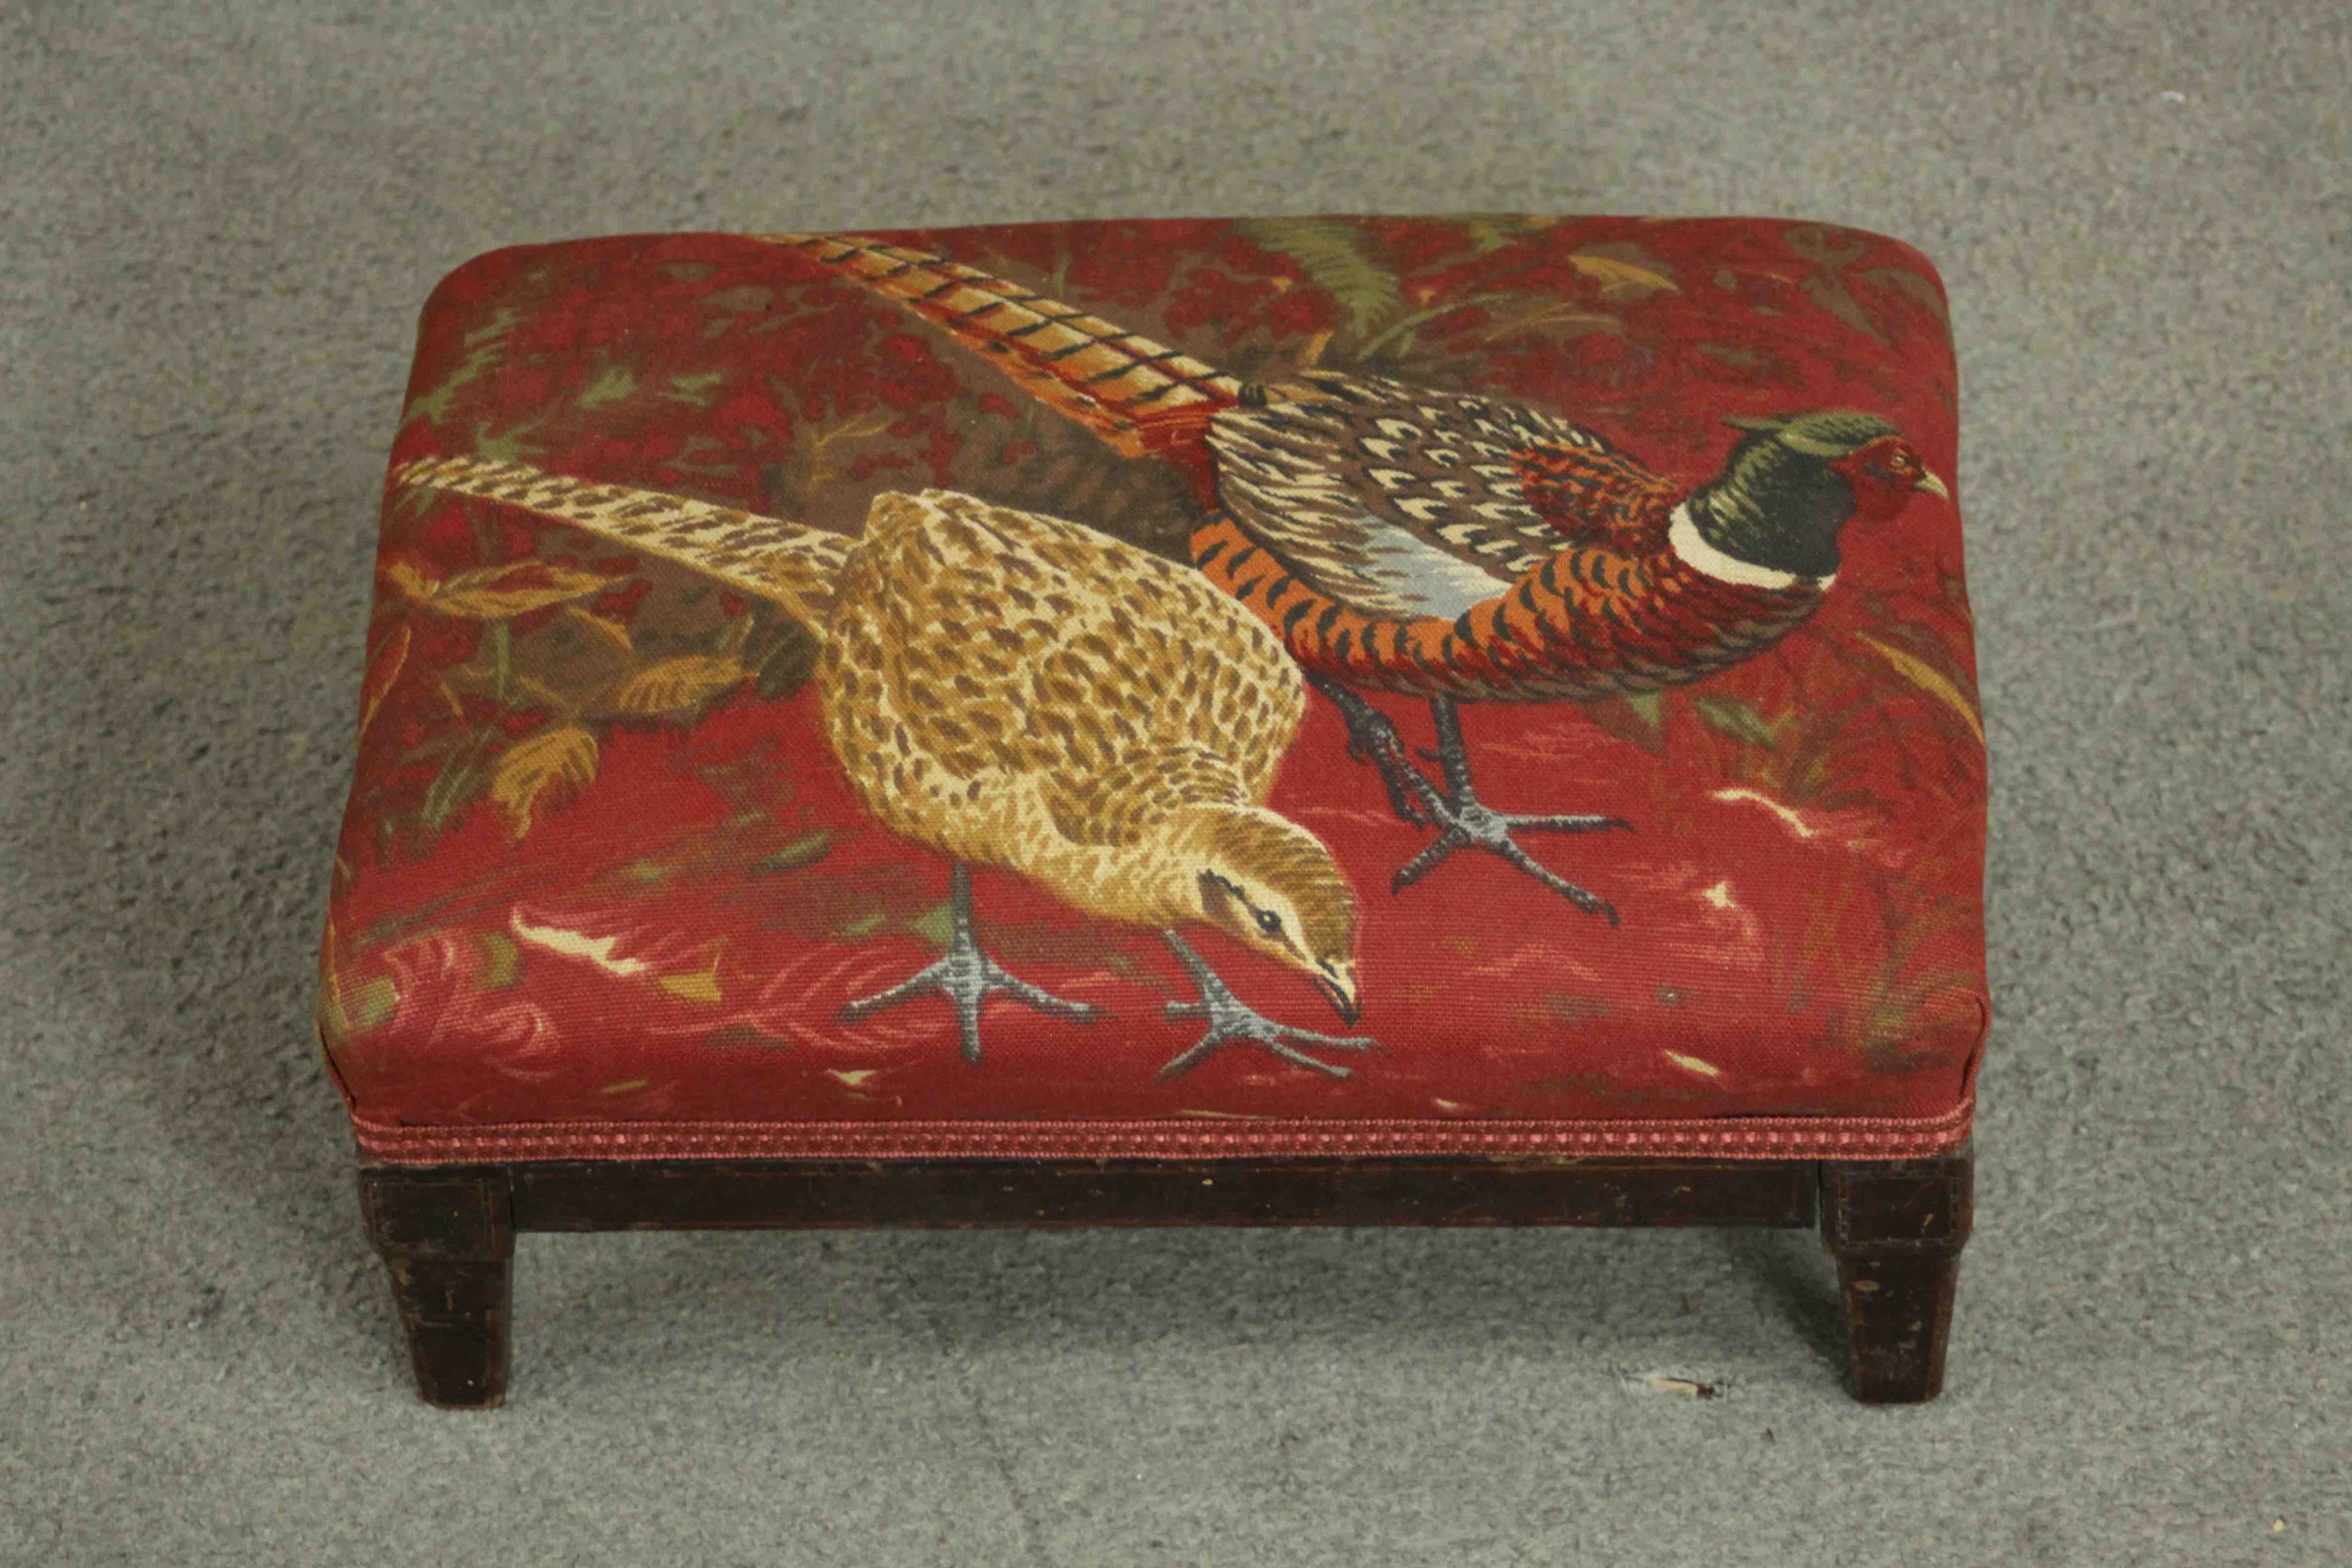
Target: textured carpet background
(217, 223)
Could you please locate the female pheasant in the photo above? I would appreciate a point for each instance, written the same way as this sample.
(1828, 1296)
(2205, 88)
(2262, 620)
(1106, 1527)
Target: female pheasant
(1019, 691)
(1454, 547)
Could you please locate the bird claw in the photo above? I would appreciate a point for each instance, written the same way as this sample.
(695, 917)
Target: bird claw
(1461, 821)
(1400, 796)
(1372, 736)
(968, 977)
(1232, 1021)
(1401, 801)
(1465, 823)
(1279, 1039)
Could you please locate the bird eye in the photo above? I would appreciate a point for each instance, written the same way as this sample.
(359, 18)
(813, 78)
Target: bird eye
(1270, 922)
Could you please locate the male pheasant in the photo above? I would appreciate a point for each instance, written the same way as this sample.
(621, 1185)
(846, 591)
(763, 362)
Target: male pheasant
(1019, 691)
(1454, 547)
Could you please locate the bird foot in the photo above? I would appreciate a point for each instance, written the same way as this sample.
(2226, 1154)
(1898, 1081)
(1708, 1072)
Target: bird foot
(1233, 1021)
(967, 978)
(1464, 823)
(1373, 737)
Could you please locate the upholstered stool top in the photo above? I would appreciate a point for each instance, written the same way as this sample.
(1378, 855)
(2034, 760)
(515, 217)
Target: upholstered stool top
(1194, 688)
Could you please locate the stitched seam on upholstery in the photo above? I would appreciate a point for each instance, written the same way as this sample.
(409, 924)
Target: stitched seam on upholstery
(1777, 1138)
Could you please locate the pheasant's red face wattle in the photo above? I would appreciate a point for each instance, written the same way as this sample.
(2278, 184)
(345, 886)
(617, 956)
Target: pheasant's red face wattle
(1883, 474)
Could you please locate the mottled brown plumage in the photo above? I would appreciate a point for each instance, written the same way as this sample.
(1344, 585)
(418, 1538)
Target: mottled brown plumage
(1019, 691)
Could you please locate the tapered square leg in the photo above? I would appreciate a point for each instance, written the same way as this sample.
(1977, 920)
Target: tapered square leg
(448, 1237)
(1896, 1229)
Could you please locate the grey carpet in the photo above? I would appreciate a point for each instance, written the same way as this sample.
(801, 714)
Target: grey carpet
(217, 223)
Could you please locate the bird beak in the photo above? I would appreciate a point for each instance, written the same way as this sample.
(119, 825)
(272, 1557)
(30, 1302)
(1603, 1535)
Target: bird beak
(1932, 485)
(1342, 1000)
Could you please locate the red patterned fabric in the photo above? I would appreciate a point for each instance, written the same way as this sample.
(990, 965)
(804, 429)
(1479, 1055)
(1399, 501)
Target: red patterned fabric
(607, 882)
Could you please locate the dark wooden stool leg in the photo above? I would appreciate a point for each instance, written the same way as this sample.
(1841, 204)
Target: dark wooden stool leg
(1896, 1229)
(448, 1236)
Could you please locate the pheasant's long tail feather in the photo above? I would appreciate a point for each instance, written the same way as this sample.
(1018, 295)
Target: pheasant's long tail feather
(790, 564)
(1142, 397)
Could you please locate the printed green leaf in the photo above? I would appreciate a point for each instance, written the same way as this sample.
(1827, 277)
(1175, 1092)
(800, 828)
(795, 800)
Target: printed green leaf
(1826, 290)
(1396, 339)
(1919, 288)
(701, 985)
(613, 383)
(496, 593)
(613, 635)
(502, 961)
(793, 856)
(695, 391)
(460, 780)
(1624, 272)
(677, 685)
(540, 770)
(1556, 318)
(1735, 718)
(1929, 680)
(742, 299)
(484, 345)
(511, 445)
(379, 999)
(1332, 254)
(937, 926)
(1641, 720)
(1490, 231)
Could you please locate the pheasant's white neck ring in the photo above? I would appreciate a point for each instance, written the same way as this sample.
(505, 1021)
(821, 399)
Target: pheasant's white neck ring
(1693, 550)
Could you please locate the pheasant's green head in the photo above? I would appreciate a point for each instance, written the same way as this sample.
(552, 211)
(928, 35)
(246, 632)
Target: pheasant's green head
(1271, 885)
(1793, 483)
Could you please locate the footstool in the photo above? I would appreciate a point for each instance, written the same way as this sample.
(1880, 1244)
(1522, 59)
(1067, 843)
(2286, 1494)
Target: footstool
(1460, 720)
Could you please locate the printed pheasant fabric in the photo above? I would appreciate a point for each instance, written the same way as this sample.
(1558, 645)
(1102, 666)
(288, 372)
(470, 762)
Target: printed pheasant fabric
(1190, 687)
